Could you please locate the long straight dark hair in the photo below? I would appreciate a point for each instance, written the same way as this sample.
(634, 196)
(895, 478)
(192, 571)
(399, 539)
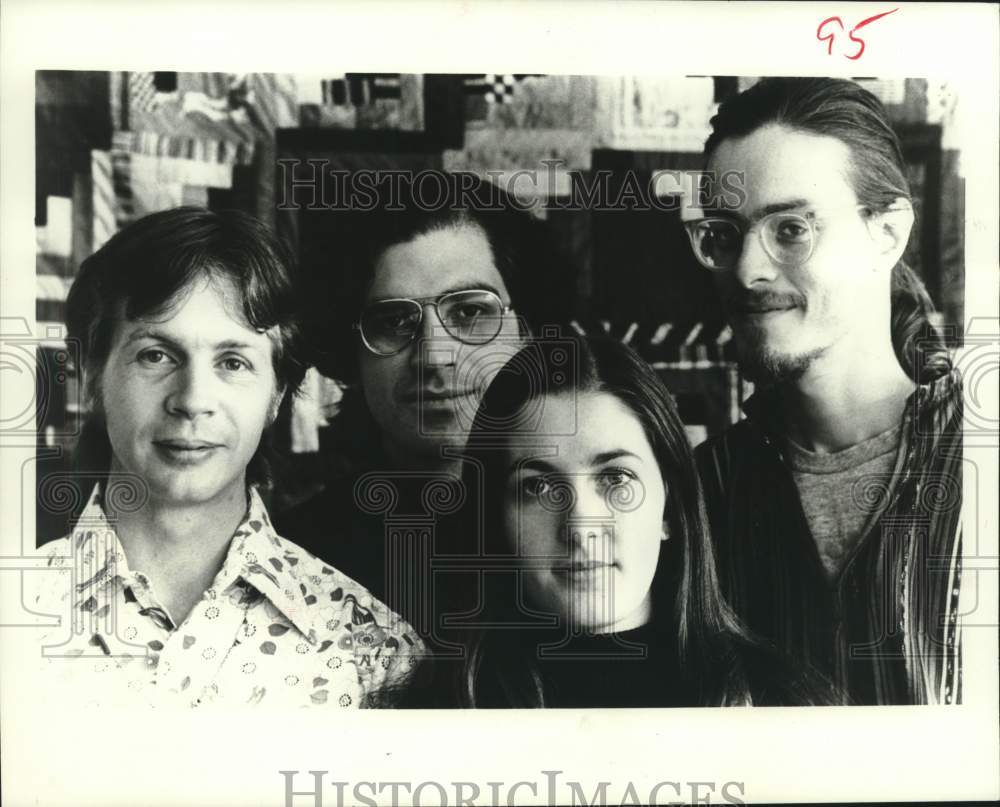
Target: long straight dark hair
(718, 660)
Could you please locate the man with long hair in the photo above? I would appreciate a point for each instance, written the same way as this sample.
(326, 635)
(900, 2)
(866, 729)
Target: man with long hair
(835, 506)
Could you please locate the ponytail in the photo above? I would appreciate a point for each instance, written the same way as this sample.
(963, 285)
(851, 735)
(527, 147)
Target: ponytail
(919, 347)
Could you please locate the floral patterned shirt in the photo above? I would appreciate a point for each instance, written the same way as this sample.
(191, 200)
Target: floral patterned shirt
(277, 627)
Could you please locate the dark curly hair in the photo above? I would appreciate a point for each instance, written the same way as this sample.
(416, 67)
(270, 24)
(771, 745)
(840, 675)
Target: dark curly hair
(522, 248)
(533, 269)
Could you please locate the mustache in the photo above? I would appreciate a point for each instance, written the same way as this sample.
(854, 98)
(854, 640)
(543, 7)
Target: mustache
(748, 300)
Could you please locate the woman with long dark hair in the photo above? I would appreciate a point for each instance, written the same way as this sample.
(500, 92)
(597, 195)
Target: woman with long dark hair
(583, 574)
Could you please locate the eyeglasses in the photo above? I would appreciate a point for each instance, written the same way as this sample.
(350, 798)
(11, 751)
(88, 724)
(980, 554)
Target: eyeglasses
(474, 317)
(788, 238)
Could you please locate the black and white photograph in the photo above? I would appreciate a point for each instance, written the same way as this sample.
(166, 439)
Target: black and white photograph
(607, 434)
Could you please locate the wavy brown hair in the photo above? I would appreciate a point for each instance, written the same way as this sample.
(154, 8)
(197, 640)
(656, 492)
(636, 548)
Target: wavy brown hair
(148, 265)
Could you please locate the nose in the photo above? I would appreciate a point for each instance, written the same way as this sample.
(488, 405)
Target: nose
(588, 519)
(193, 393)
(435, 346)
(754, 265)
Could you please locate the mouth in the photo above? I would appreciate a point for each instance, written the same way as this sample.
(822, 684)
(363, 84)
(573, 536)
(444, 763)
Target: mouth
(759, 311)
(434, 397)
(186, 451)
(583, 568)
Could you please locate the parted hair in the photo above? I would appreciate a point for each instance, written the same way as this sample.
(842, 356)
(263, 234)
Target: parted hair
(843, 109)
(719, 662)
(146, 267)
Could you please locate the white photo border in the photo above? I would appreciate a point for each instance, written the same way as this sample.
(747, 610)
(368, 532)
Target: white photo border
(798, 755)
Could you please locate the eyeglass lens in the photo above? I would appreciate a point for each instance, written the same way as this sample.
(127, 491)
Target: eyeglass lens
(787, 238)
(473, 317)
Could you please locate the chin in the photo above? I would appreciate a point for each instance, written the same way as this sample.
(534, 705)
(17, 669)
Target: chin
(185, 492)
(429, 449)
(765, 365)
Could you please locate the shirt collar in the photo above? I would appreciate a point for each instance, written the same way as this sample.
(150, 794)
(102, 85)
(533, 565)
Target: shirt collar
(256, 554)
(97, 552)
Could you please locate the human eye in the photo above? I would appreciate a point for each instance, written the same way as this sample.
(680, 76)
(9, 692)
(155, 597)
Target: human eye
(610, 478)
(719, 234)
(536, 486)
(235, 364)
(394, 318)
(155, 357)
(791, 229)
(467, 310)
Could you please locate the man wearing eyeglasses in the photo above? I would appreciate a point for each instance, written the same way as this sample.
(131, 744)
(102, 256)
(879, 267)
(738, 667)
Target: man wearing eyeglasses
(432, 301)
(425, 358)
(835, 506)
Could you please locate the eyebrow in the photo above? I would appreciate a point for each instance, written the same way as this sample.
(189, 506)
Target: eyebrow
(531, 465)
(596, 460)
(159, 336)
(147, 333)
(765, 210)
(608, 456)
(471, 286)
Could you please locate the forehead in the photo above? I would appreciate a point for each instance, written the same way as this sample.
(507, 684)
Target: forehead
(209, 311)
(603, 424)
(453, 257)
(778, 164)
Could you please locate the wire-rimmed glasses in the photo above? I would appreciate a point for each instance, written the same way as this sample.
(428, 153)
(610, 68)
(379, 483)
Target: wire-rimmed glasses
(473, 316)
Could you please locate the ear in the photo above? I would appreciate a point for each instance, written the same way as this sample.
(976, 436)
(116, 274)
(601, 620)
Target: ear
(664, 532)
(90, 388)
(891, 230)
(523, 328)
(275, 406)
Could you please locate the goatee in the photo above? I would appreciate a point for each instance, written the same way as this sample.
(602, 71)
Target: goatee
(766, 367)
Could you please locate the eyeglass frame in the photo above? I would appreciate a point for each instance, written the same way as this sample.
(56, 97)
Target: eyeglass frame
(746, 228)
(423, 302)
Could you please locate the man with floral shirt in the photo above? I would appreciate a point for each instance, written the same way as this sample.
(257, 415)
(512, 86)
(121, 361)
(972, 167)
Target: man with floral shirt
(173, 587)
